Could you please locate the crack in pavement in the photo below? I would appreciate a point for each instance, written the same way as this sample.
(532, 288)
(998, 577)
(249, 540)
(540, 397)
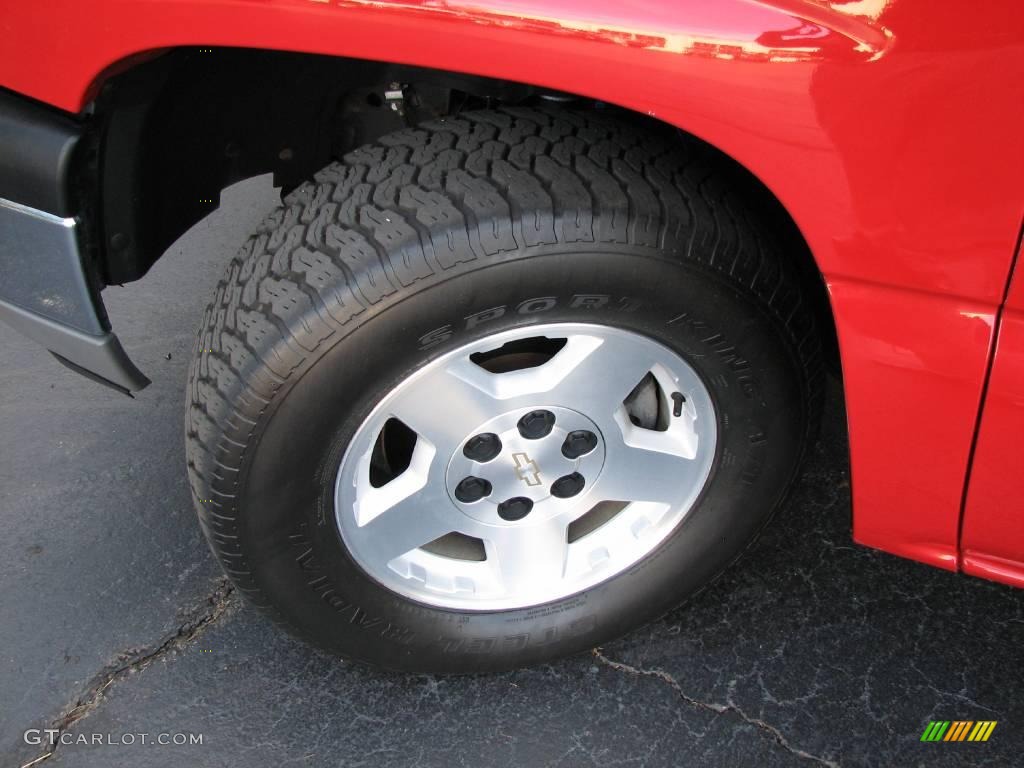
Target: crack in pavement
(198, 619)
(659, 674)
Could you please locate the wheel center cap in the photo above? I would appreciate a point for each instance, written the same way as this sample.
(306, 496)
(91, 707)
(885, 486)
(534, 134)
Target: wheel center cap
(525, 465)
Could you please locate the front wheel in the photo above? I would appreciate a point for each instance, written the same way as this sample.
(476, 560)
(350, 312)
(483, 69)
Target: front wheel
(481, 396)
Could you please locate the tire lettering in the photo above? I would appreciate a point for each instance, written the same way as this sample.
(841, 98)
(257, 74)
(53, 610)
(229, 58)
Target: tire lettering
(750, 388)
(752, 471)
(515, 642)
(306, 561)
(436, 336)
(589, 301)
(362, 620)
(322, 587)
(482, 317)
(532, 306)
(518, 642)
(583, 625)
(448, 645)
(692, 324)
(398, 635)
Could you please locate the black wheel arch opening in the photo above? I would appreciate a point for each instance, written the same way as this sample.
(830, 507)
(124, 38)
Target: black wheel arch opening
(168, 134)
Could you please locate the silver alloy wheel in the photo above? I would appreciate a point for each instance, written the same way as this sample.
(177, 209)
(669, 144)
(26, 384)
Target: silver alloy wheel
(560, 488)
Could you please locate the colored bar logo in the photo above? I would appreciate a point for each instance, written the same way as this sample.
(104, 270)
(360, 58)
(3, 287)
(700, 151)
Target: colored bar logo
(958, 730)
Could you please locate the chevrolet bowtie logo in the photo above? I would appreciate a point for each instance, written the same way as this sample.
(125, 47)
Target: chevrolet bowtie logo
(526, 469)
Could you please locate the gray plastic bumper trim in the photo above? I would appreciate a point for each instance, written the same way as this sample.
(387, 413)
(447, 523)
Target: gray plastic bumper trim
(41, 269)
(101, 356)
(45, 294)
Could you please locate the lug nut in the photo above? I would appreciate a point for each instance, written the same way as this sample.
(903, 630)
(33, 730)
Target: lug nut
(482, 447)
(536, 424)
(472, 489)
(568, 485)
(578, 443)
(515, 508)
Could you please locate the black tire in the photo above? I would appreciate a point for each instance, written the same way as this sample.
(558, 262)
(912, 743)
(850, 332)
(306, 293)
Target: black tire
(373, 268)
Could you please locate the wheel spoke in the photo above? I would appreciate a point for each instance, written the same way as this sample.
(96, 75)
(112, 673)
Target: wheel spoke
(444, 404)
(409, 511)
(406, 524)
(529, 558)
(651, 469)
(597, 377)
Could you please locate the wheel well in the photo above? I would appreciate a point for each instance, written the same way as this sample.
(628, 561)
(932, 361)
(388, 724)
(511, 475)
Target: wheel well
(167, 135)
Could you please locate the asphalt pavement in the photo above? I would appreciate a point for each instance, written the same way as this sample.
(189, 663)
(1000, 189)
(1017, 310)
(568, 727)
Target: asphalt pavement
(118, 631)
